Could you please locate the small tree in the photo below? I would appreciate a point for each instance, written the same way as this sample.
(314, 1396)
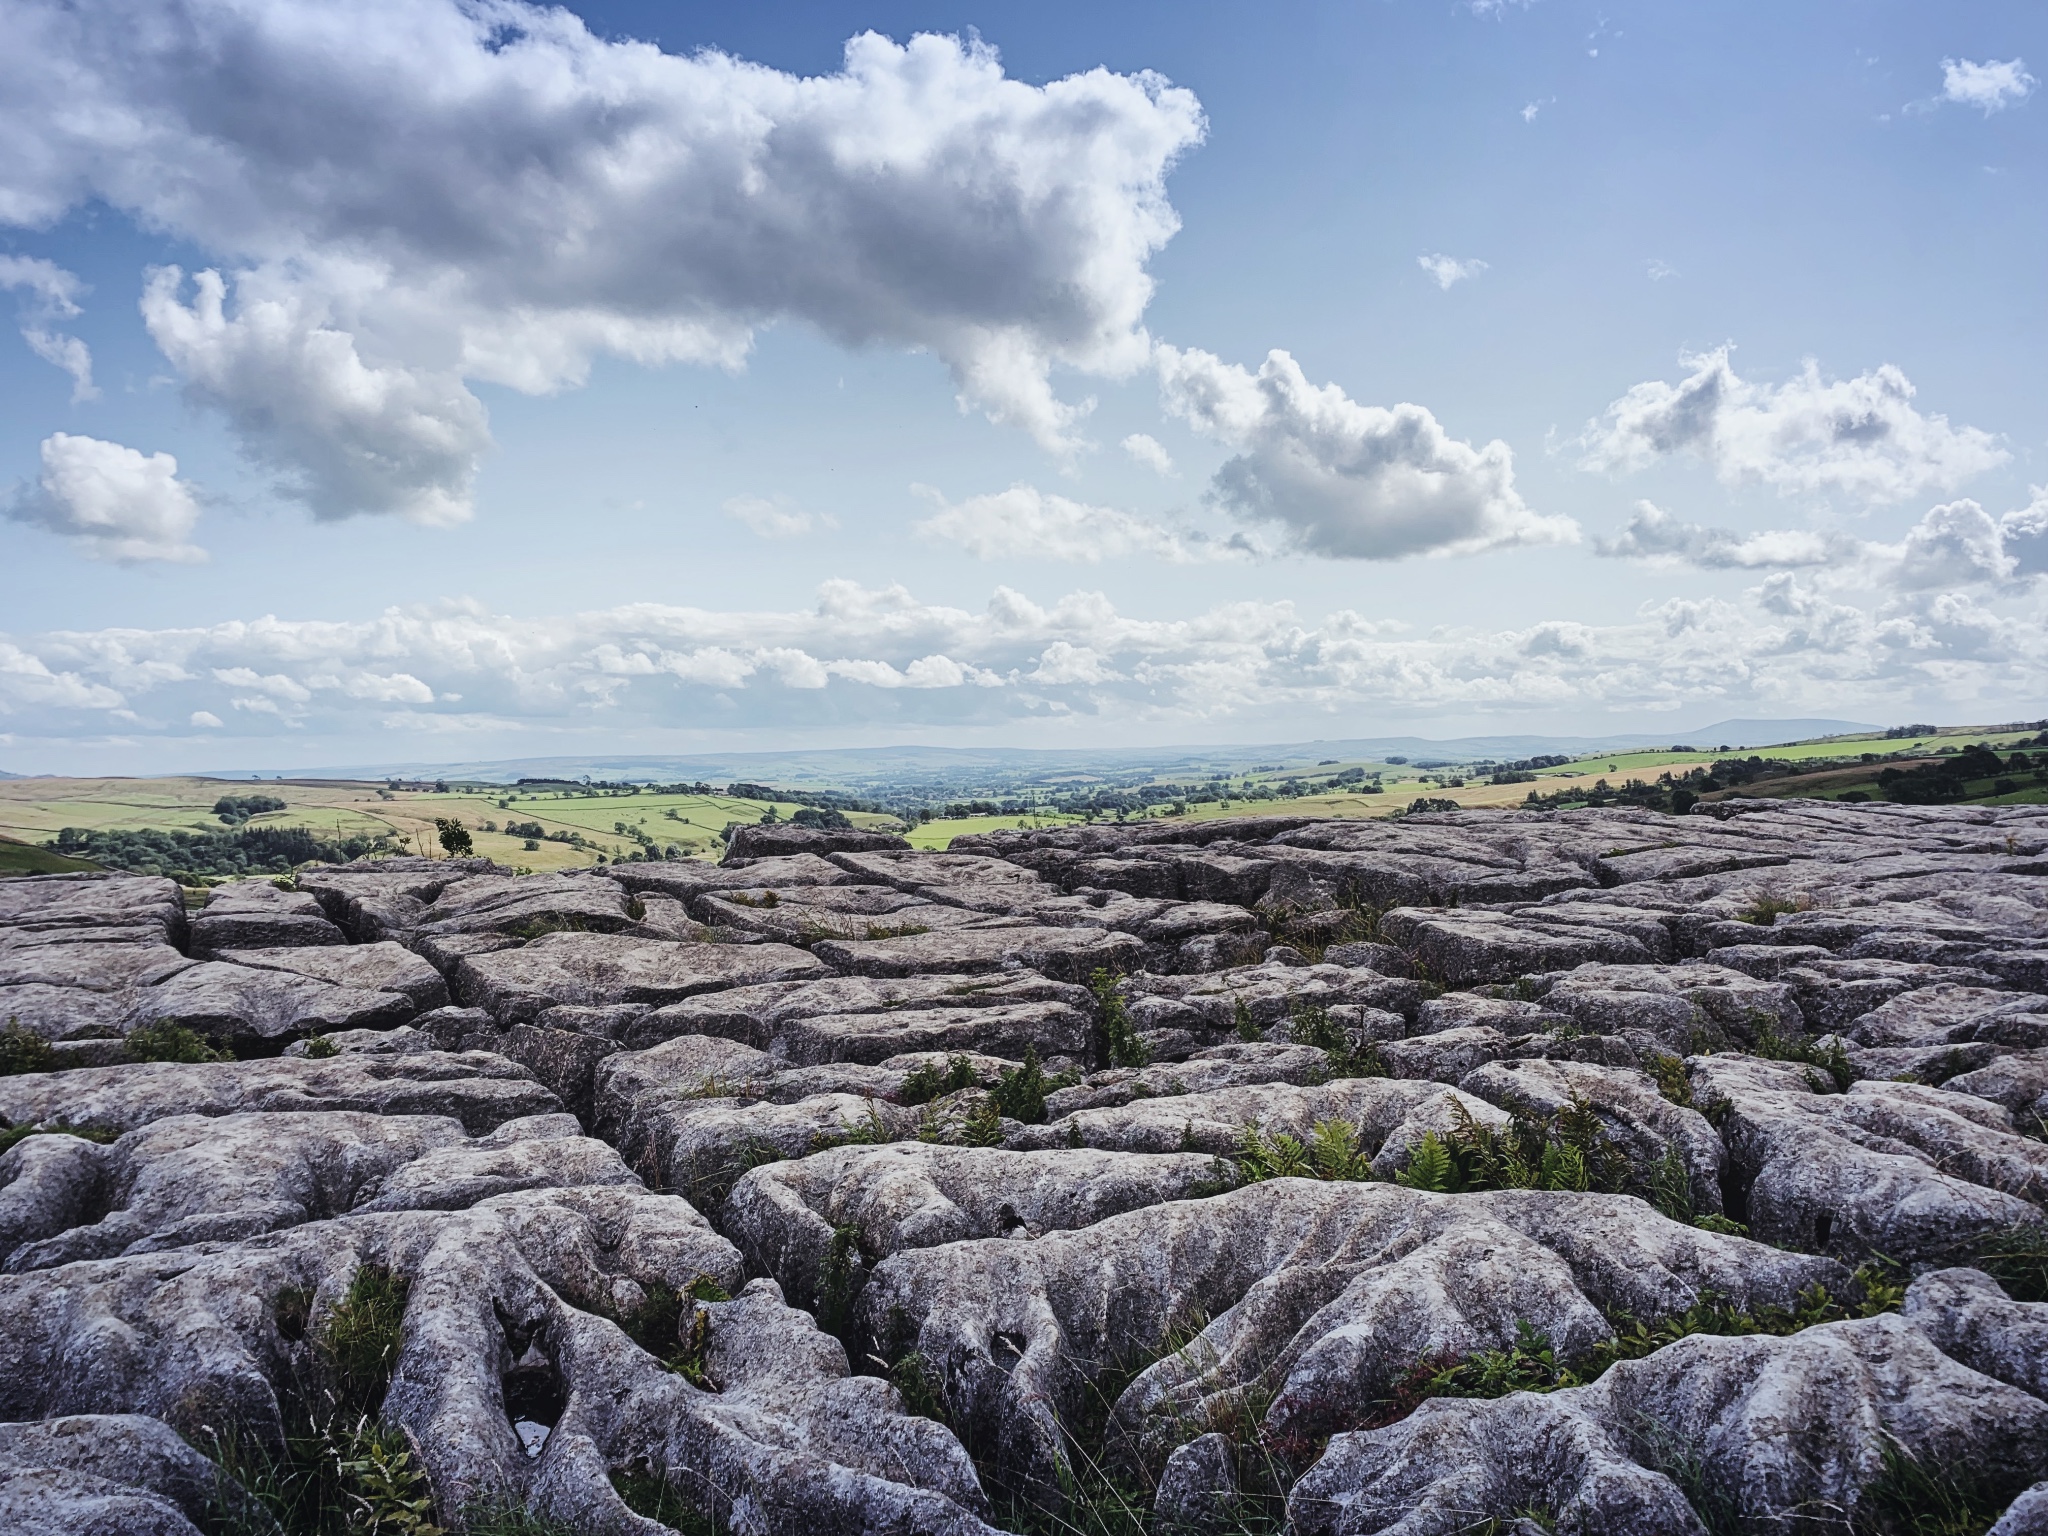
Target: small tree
(455, 840)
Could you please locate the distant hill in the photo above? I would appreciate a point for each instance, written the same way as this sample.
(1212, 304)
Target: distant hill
(905, 767)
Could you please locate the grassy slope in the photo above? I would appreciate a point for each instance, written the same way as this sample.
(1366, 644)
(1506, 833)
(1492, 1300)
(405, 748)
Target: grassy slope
(25, 859)
(34, 810)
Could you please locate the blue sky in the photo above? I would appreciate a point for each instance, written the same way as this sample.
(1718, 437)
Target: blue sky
(1642, 363)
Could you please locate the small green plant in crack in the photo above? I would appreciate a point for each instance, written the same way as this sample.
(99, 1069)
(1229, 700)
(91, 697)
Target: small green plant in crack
(320, 1048)
(653, 1497)
(23, 1051)
(1668, 1072)
(1773, 1044)
(2017, 1259)
(1766, 908)
(927, 1081)
(872, 1131)
(840, 1277)
(359, 1339)
(1019, 1092)
(671, 1327)
(922, 1388)
(169, 1042)
(1912, 1497)
(1311, 1025)
(1247, 1027)
(1332, 1152)
(1566, 1150)
(983, 1126)
(1124, 1048)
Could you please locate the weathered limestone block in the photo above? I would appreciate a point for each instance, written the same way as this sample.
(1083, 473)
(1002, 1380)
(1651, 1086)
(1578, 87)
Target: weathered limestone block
(594, 969)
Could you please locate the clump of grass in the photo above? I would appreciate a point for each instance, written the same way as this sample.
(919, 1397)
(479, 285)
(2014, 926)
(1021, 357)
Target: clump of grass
(670, 1326)
(650, 1495)
(840, 1278)
(1912, 1498)
(23, 1051)
(1773, 1044)
(169, 1042)
(1311, 1025)
(1019, 1092)
(1124, 1048)
(1767, 907)
(509, 1519)
(927, 1082)
(360, 1338)
(2017, 1259)
(983, 1126)
(1247, 1027)
(320, 1048)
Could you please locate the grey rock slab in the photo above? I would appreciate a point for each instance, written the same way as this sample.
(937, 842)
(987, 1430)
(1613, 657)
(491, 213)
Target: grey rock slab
(1005, 1030)
(1319, 1295)
(1676, 1003)
(1389, 1117)
(2027, 1515)
(1879, 1170)
(1469, 1010)
(1941, 1014)
(785, 839)
(66, 1013)
(245, 1002)
(527, 904)
(2019, 1082)
(1772, 1426)
(239, 929)
(1198, 1489)
(93, 901)
(1445, 1056)
(1064, 954)
(803, 915)
(1970, 1318)
(1766, 962)
(90, 967)
(758, 1014)
(1465, 946)
(95, 1474)
(382, 967)
(478, 1089)
(914, 1195)
(684, 878)
(1633, 1114)
(910, 870)
(1269, 993)
(195, 1342)
(595, 969)
(1203, 1071)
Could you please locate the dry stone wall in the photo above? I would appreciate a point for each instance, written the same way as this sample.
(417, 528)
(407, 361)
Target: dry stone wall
(1594, 1172)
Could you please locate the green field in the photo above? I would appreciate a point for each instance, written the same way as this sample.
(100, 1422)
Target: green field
(608, 822)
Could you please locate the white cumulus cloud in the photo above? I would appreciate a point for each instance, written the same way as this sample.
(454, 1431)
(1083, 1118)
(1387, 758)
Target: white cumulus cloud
(1347, 480)
(1024, 523)
(399, 199)
(1860, 437)
(118, 504)
(1991, 86)
(1655, 535)
(50, 294)
(882, 659)
(1149, 452)
(1447, 270)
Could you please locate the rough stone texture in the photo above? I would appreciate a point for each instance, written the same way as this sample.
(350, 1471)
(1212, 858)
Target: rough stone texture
(1389, 1117)
(672, 1010)
(1887, 1168)
(2019, 1082)
(596, 969)
(97, 1474)
(1321, 1295)
(480, 1090)
(254, 914)
(1066, 954)
(384, 967)
(1764, 1427)
(912, 1195)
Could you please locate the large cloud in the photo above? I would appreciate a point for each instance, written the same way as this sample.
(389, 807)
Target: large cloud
(1353, 481)
(410, 196)
(118, 504)
(880, 659)
(1952, 546)
(1860, 437)
(1991, 86)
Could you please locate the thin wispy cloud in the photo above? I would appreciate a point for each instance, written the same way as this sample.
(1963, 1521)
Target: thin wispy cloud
(1448, 270)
